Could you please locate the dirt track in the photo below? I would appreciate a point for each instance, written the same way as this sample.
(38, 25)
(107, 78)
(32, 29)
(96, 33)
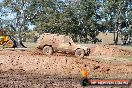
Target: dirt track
(32, 69)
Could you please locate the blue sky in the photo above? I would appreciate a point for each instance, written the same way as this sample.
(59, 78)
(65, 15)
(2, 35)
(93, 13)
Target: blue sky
(1, 0)
(11, 16)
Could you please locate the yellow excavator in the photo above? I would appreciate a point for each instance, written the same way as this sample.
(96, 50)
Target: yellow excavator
(9, 41)
(6, 40)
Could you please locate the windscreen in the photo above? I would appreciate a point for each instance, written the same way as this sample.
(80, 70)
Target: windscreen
(68, 39)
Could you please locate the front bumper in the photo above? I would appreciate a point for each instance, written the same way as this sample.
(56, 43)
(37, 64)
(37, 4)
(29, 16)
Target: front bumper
(87, 51)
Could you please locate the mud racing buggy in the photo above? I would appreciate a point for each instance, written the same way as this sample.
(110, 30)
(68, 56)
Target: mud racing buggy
(51, 43)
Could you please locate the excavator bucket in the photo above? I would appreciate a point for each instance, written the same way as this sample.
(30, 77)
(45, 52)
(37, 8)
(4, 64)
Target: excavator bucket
(17, 43)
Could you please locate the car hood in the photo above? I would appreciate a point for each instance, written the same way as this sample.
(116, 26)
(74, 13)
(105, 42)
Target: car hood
(75, 46)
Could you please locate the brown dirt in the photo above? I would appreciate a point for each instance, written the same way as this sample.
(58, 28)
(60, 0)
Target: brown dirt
(109, 51)
(32, 69)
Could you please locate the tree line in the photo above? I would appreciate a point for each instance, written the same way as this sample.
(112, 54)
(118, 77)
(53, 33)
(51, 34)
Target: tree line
(81, 19)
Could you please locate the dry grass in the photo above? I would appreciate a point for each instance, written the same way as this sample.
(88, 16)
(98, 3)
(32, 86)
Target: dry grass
(31, 45)
(107, 38)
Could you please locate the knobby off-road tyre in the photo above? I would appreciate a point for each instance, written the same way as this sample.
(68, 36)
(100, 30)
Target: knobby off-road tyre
(48, 50)
(79, 53)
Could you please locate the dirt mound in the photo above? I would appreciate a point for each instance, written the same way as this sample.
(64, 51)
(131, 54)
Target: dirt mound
(108, 50)
(57, 64)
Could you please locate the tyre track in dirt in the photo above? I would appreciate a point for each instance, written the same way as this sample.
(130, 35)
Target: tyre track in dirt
(32, 62)
(97, 67)
(28, 81)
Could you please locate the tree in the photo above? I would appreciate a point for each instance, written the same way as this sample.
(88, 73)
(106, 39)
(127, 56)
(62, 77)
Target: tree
(85, 11)
(19, 8)
(115, 13)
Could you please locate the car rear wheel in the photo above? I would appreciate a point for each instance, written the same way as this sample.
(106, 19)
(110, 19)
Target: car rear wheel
(48, 50)
(79, 53)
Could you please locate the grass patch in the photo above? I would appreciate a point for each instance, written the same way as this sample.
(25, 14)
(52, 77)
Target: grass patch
(125, 57)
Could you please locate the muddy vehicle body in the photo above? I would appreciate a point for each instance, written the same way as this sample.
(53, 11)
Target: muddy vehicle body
(50, 43)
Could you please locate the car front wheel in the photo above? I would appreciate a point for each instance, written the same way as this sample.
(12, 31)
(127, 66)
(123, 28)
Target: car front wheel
(48, 50)
(79, 53)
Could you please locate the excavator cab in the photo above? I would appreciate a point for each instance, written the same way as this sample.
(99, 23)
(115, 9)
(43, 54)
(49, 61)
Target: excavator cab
(3, 37)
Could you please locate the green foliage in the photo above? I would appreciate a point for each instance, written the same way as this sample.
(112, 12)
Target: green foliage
(81, 18)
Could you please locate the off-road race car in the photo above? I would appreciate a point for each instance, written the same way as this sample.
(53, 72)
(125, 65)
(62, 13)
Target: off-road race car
(51, 43)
